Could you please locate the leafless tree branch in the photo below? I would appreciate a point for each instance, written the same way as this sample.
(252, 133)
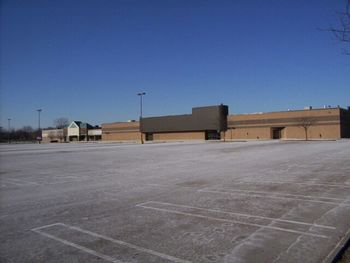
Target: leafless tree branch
(61, 123)
(306, 123)
(342, 32)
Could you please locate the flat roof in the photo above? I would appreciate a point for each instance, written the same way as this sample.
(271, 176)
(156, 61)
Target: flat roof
(268, 112)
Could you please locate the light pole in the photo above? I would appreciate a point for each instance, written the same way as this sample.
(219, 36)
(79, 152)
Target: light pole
(141, 94)
(39, 134)
(39, 111)
(9, 126)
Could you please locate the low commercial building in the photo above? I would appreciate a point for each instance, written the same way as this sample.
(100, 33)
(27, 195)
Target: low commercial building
(204, 123)
(121, 131)
(95, 134)
(76, 131)
(54, 135)
(213, 122)
(325, 123)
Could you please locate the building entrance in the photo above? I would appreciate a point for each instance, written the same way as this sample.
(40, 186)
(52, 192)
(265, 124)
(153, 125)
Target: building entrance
(277, 133)
(149, 136)
(212, 135)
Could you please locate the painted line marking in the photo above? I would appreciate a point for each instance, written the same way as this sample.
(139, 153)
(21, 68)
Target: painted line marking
(159, 185)
(79, 247)
(282, 194)
(173, 186)
(116, 241)
(24, 182)
(75, 179)
(271, 196)
(291, 182)
(241, 214)
(60, 180)
(46, 226)
(6, 182)
(232, 221)
(18, 182)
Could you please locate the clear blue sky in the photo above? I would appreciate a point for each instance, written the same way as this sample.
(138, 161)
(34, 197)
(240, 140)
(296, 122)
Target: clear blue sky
(86, 60)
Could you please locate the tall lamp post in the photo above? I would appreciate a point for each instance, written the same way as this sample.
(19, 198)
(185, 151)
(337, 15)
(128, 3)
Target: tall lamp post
(141, 94)
(39, 133)
(9, 126)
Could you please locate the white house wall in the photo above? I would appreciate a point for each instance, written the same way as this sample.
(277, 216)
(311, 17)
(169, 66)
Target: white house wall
(73, 132)
(95, 132)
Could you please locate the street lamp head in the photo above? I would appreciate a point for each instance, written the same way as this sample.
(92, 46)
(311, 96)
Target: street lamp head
(141, 93)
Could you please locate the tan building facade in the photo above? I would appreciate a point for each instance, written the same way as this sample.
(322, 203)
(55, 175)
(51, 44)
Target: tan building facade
(53, 135)
(313, 124)
(203, 123)
(130, 131)
(121, 131)
(175, 136)
(328, 123)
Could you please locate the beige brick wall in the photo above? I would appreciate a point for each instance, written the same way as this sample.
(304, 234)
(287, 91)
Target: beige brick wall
(120, 125)
(291, 132)
(325, 124)
(285, 114)
(179, 136)
(314, 132)
(121, 131)
(121, 136)
(248, 133)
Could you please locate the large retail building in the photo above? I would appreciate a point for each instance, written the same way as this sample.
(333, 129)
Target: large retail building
(214, 122)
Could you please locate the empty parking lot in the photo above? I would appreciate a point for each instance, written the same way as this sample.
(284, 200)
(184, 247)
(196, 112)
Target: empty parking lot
(175, 202)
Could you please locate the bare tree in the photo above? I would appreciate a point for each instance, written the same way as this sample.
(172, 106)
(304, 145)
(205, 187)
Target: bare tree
(61, 123)
(60, 135)
(52, 135)
(342, 31)
(306, 123)
(27, 129)
(26, 133)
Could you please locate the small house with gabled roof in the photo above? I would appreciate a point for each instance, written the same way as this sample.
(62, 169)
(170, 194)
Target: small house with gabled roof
(78, 131)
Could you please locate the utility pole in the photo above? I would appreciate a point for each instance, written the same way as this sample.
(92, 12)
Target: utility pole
(141, 94)
(39, 133)
(9, 126)
(39, 111)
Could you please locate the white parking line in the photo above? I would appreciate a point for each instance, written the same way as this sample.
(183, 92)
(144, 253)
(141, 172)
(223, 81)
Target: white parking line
(282, 194)
(5, 183)
(46, 226)
(232, 221)
(119, 242)
(173, 186)
(241, 214)
(20, 181)
(292, 182)
(250, 193)
(85, 249)
(75, 179)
